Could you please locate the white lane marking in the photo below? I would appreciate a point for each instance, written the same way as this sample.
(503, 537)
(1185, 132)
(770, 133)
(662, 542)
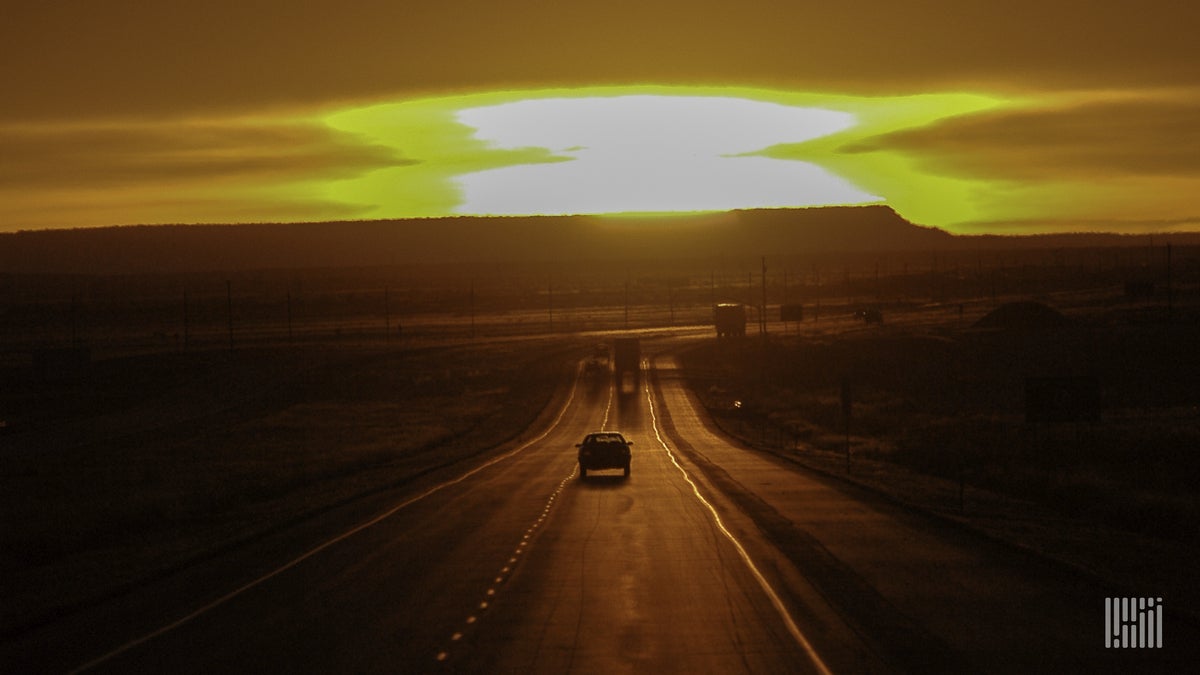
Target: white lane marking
(506, 571)
(788, 621)
(608, 408)
(341, 537)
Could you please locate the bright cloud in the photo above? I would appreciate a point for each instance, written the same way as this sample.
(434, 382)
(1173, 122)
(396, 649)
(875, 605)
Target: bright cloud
(649, 153)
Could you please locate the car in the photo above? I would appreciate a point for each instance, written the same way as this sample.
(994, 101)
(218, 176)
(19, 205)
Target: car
(869, 315)
(604, 450)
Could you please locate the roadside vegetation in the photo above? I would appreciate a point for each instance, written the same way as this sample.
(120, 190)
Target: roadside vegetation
(948, 399)
(149, 462)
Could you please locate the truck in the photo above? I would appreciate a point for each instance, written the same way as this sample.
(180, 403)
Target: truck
(730, 320)
(626, 358)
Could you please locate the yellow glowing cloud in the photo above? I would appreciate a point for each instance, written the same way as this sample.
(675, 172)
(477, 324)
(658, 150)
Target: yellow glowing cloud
(592, 150)
(650, 149)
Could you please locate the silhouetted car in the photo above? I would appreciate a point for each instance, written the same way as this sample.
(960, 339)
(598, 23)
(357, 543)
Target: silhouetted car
(595, 366)
(604, 450)
(870, 315)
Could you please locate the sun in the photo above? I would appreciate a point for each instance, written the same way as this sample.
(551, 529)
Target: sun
(651, 154)
(644, 149)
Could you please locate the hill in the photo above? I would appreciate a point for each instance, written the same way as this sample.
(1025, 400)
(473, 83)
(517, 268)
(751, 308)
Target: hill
(196, 248)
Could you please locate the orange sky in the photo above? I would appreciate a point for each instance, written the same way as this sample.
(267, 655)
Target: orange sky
(119, 111)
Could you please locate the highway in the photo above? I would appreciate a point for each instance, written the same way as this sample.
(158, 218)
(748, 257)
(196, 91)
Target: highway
(709, 558)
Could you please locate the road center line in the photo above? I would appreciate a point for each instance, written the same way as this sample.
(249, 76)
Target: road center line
(788, 621)
(506, 571)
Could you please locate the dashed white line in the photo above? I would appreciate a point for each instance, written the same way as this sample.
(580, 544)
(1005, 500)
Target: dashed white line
(506, 571)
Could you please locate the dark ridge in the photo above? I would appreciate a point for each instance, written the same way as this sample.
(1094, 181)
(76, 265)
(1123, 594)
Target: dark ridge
(563, 239)
(1025, 315)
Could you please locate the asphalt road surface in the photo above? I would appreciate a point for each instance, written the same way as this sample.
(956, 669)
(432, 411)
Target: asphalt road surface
(709, 558)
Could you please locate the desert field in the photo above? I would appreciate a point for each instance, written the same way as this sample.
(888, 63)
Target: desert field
(151, 421)
(151, 461)
(949, 398)
(936, 407)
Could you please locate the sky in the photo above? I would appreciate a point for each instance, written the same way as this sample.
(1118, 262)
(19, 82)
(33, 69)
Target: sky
(1017, 117)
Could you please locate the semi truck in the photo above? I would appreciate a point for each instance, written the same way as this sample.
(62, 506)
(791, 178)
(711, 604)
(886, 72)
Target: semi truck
(627, 358)
(730, 320)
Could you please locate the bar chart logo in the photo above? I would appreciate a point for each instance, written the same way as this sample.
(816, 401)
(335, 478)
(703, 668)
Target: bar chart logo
(1132, 623)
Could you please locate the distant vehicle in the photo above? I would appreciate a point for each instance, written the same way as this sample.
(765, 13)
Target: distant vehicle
(598, 363)
(604, 450)
(869, 315)
(730, 320)
(595, 366)
(626, 358)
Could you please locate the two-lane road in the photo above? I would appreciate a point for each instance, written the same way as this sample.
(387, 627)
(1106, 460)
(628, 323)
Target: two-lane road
(708, 558)
(515, 566)
(641, 575)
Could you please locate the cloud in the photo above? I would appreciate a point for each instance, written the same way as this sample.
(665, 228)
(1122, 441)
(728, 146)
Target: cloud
(1105, 139)
(76, 59)
(651, 153)
(73, 209)
(94, 92)
(87, 157)
(57, 175)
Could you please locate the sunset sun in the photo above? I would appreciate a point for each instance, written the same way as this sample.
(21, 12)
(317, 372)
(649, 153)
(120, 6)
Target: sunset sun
(648, 149)
(646, 153)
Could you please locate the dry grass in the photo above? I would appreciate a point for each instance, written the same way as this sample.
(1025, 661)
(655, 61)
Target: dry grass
(938, 424)
(949, 402)
(153, 461)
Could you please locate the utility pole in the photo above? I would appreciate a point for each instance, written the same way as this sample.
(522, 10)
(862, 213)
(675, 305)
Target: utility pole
(1170, 294)
(847, 407)
(185, 321)
(762, 310)
(387, 316)
(74, 322)
(229, 310)
(671, 300)
(626, 304)
(817, 279)
(550, 295)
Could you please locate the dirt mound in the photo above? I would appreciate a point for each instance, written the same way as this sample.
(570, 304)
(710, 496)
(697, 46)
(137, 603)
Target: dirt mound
(1024, 315)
